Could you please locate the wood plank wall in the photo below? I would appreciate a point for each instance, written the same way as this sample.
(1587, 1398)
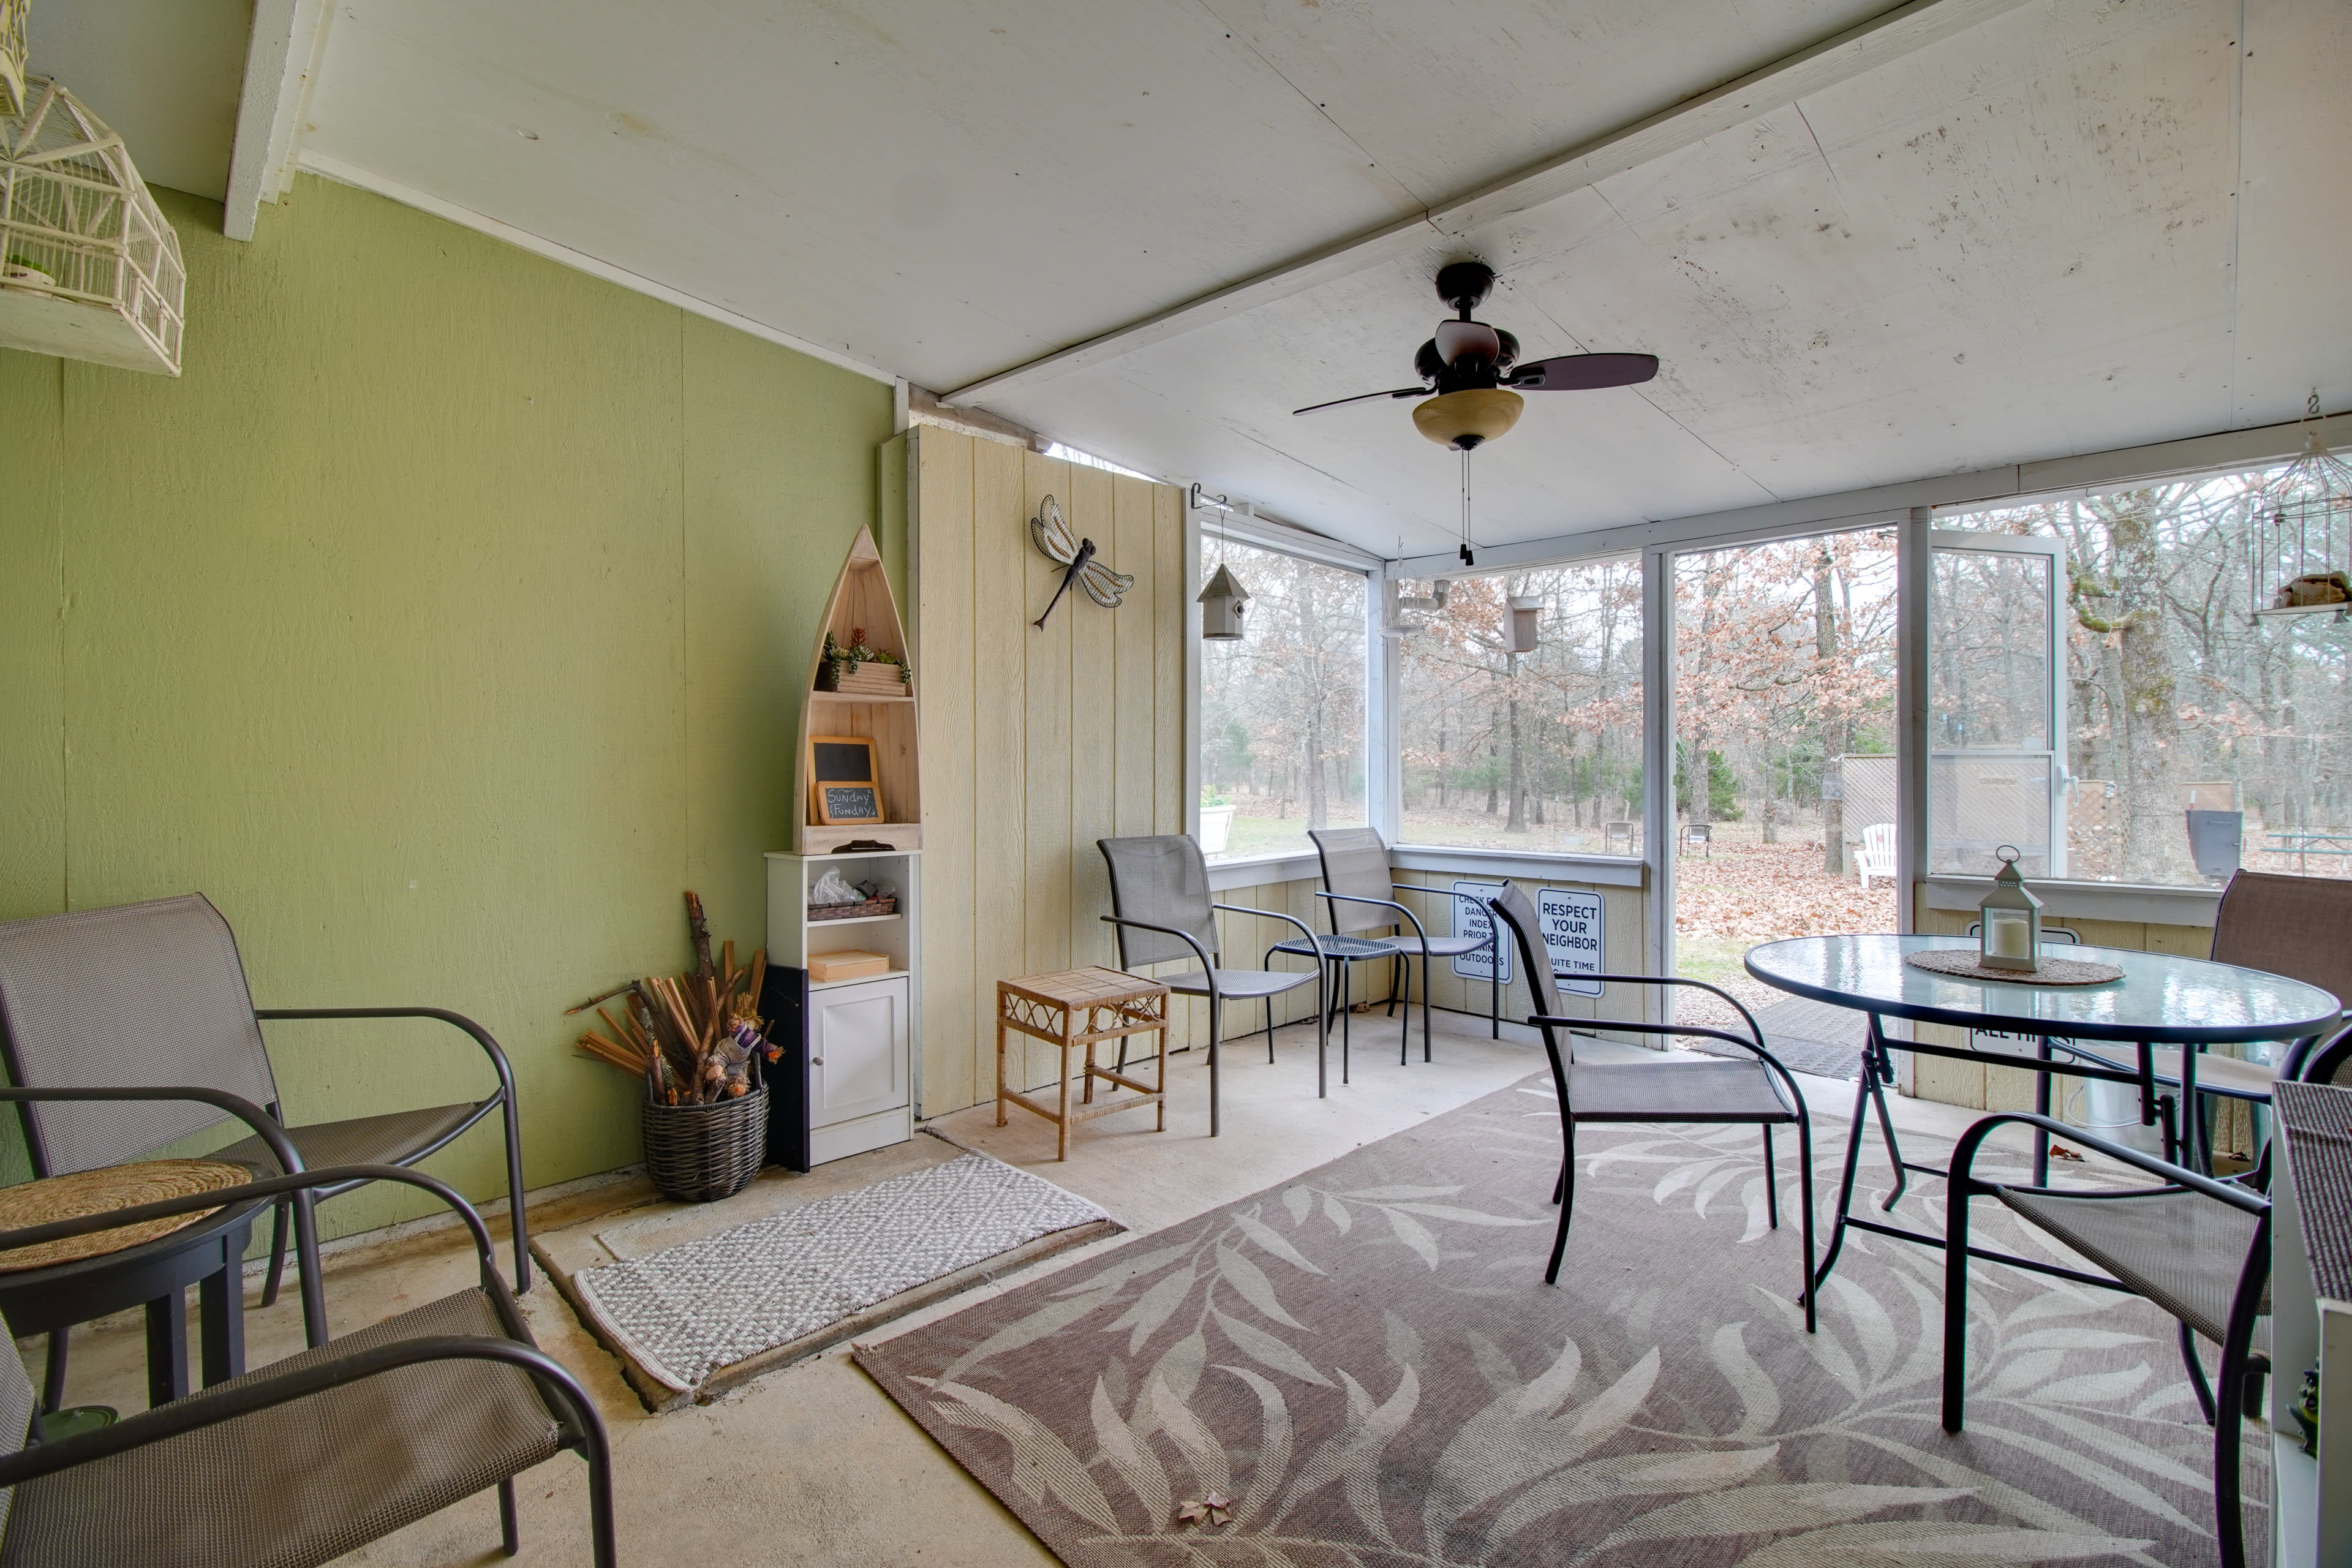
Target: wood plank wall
(1035, 744)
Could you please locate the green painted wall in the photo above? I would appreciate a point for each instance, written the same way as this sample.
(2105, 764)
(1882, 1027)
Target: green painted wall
(441, 623)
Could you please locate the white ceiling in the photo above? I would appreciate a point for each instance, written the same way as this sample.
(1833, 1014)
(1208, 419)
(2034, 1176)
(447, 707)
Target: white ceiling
(2074, 227)
(164, 73)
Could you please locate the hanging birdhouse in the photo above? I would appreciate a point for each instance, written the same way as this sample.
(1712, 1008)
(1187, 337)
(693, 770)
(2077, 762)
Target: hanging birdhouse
(1221, 607)
(2303, 534)
(89, 268)
(1526, 615)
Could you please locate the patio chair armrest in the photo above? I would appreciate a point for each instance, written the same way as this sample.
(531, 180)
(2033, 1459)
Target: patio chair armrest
(1410, 919)
(2175, 1177)
(1207, 968)
(1316, 941)
(1494, 927)
(263, 1125)
(455, 1020)
(1737, 1005)
(265, 1187)
(210, 1409)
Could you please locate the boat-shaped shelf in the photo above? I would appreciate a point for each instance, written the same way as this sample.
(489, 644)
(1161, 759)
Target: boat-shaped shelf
(861, 602)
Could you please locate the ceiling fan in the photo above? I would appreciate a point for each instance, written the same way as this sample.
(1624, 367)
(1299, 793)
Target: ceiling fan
(1474, 370)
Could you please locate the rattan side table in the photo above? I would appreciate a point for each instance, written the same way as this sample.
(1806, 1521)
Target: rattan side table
(1081, 1008)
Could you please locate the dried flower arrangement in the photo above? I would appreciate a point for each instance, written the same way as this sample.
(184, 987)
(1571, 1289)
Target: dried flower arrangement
(690, 1038)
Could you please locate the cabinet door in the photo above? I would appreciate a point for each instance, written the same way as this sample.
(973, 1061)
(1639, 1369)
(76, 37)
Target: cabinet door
(857, 1047)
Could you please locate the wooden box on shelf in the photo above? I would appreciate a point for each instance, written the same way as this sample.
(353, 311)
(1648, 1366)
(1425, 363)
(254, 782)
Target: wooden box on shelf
(884, 714)
(870, 679)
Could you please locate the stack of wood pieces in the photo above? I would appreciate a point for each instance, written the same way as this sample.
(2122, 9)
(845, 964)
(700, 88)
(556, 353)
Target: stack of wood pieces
(689, 1036)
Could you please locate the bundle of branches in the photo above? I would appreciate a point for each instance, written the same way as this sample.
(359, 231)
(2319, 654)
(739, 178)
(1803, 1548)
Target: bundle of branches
(690, 1036)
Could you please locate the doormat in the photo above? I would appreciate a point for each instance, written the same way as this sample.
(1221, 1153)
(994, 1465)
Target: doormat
(709, 1313)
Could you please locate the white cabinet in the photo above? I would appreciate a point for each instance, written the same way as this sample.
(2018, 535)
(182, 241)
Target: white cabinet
(847, 1082)
(859, 1098)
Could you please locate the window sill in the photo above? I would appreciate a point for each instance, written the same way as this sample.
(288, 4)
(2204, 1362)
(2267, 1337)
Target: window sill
(1591, 870)
(1263, 870)
(2132, 902)
(1587, 870)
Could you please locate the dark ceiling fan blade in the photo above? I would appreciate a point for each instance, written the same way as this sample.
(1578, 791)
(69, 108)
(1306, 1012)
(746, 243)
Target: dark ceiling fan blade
(1582, 372)
(1367, 397)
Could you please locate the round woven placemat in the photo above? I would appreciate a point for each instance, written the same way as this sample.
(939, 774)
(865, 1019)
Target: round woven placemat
(112, 1187)
(1961, 962)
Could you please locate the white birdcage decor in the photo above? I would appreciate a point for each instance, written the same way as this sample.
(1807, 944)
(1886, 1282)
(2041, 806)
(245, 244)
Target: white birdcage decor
(89, 268)
(2303, 534)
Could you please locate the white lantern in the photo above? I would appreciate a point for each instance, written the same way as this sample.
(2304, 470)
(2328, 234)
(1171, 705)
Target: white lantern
(2009, 928)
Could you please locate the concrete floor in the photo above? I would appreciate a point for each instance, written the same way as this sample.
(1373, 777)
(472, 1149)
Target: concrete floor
(813, 1463)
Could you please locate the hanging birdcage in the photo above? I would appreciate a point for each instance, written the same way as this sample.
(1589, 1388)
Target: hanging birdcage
(2303, 534)
(89, 268)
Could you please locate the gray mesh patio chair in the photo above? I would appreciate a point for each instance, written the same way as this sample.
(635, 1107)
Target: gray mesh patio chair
(314, 1457)
(154, 995)
(1713, 1091)
(2198, 1247)
(1161, 905)
(1358, 886)
(2300, 927)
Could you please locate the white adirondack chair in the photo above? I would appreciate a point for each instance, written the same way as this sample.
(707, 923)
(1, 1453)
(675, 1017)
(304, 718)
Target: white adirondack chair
(1877, 856)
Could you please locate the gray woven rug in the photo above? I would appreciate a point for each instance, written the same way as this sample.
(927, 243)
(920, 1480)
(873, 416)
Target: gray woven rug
(1362, 1368)
(689, 1310)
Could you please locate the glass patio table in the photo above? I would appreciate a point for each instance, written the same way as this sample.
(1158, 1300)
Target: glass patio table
(2161, 999)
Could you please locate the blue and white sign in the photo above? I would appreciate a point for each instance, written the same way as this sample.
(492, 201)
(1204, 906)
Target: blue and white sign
(1570, 919)
(1476, 920)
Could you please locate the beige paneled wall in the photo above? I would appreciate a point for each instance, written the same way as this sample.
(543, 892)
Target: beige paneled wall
(1035, 744)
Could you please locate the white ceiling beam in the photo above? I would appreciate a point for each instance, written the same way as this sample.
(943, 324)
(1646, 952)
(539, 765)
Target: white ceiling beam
(281, 56)
(2014, 484)
(1854, 52)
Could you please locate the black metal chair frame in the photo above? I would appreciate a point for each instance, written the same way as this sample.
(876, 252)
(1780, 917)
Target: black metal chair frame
(504, 1101)
(1404, 957)
(1217, 999)
(2225, 1402)
(155, 1272)
(1564, 1189)
(583, 1429)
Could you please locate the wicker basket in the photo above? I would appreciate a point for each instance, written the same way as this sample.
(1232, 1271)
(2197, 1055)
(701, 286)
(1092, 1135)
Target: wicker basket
(700, 1153)
(866, 910)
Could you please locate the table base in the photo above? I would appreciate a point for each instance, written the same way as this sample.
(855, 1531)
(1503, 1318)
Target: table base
(1870, 1094)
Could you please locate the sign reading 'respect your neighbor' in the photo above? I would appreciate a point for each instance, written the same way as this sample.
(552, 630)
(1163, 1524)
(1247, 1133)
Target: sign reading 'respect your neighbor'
(1571, 921)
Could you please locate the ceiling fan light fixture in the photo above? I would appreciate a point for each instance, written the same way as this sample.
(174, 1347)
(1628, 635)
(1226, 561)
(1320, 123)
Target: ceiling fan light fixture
(1464, 420)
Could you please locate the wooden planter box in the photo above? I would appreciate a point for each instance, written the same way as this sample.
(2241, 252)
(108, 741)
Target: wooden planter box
(864, 680)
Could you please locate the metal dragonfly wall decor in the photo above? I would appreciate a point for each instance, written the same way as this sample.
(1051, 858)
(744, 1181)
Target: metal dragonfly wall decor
(1052, 537)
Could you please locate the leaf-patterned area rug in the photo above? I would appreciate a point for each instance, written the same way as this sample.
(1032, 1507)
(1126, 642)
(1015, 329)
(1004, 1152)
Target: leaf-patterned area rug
(1365, 1367)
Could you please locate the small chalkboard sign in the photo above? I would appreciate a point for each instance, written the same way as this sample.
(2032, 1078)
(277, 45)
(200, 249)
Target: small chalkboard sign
(842, 783)
(838, 803)
(841, 759)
